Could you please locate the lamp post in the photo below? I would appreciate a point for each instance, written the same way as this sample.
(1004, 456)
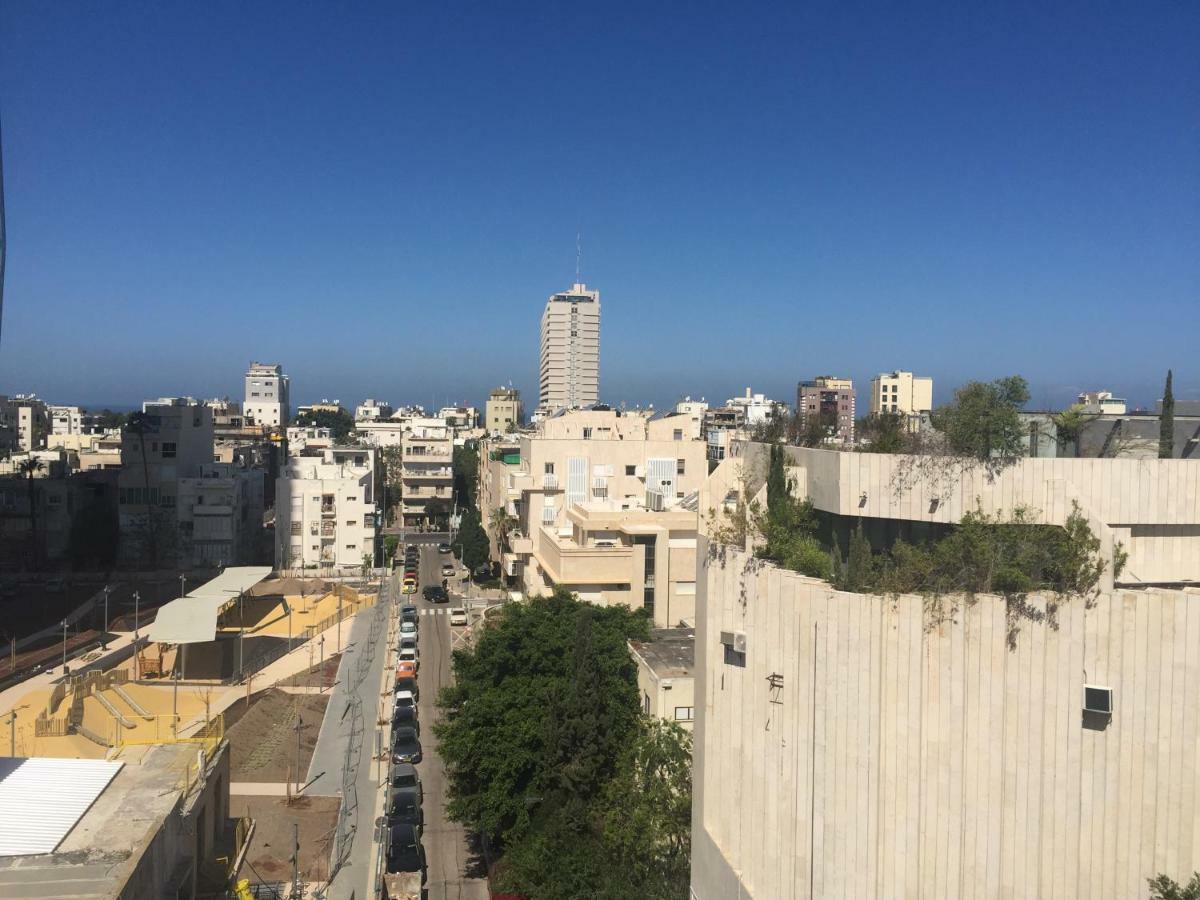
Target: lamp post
(321, 665)
(182, 585)
(104, 636)
(136, 599)
(64, 646)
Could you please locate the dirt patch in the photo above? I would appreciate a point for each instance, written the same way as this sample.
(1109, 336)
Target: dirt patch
(320, 675)
(268, 861)
(262, 738)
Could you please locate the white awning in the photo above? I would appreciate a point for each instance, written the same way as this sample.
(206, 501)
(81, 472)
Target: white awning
(42, 799)
(193, 619)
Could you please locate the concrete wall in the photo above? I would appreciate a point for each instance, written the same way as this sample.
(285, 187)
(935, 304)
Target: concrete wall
(903, 759)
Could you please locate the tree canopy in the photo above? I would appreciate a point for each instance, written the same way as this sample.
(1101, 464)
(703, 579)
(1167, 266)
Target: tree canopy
(340, 423)
(1166, 421)
(466, 474)
(982, 422)
(1164, 888)
(475, 548)
(548, 755)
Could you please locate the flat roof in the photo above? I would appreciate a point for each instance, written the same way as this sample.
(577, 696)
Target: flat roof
(41, 800)
(193, 619)
(670, 652)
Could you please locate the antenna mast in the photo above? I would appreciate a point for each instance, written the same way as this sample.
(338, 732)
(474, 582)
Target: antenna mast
(578, 256)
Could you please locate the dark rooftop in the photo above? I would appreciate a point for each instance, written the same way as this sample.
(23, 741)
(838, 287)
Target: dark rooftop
(670, 652)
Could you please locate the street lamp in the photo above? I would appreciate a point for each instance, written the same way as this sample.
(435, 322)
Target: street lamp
(104, 636)
(64, 624)
(136, 598)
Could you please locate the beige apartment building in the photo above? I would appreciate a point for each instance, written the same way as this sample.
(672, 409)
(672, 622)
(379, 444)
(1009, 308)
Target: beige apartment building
(603, 503)
(569, 376)
(267, 402)
(426, 474)
(831, 401)
(901, 392)
(325, 511)
(504, 411)
(851, 745)
(666, 674)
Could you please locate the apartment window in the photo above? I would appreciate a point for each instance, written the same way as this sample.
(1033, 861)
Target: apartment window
(645, 703)
(255, 394)
(54, 500)
(349, 523)
(631, 470)
(168, 500)
(168, 450)
(368, 521)
(685, 713)
(680, 465)
(549, 468)
(587, 434)
(678, 434)
(295, 529)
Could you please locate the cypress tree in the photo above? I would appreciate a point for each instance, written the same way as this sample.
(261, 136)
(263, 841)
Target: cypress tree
(1166, 422)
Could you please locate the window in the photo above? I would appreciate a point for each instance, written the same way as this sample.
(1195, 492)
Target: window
(549, 468)
(352, 546)
(295, 529)
(680, 465)
(368, 521)
(631, 470)
(168, 500)
(678, 434)
(168, 450)
(645, 703)
(587, 434)
(349, 523)
(54, 500)
(684, 713)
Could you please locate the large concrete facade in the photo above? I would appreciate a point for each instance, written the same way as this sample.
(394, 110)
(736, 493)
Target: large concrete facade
(267, 400)
(859, 747)
(569, 374)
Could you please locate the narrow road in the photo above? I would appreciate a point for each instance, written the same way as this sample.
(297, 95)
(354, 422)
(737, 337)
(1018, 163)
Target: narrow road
(455, 870)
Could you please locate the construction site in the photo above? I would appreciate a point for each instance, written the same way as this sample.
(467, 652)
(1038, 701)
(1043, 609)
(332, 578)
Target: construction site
(219, 700)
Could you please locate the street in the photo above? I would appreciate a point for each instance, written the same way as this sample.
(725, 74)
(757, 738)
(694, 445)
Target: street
(455, 870)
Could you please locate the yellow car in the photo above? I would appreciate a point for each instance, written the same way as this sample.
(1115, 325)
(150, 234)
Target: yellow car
(410, 587)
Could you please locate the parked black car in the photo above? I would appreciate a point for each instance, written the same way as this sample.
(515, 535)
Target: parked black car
(405, 853)
(403, 715)
(408, 684)
(408, 614)
(406, 748)
(436, 594)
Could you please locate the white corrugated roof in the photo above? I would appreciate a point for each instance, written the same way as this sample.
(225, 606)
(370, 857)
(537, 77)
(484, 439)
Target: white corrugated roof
(193, 619)
(42, 799)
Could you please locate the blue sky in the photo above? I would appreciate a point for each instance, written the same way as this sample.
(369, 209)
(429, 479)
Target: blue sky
(381, 197)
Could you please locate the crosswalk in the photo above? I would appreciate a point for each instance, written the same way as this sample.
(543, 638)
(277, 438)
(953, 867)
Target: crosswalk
(445, 611)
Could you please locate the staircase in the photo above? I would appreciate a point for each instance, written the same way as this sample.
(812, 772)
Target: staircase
(132, 704)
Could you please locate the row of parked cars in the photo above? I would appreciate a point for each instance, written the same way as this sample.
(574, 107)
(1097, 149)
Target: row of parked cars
(405, 816)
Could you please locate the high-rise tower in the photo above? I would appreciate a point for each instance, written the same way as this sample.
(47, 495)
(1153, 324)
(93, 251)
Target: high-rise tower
(570, 350)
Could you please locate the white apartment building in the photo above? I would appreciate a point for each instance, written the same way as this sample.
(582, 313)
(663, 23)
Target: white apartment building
(459, 417)
(372, 410)
(694, 410)
(23, 423)
(666, 674)
(604, 504)
(757, 408)
(308, 437)
(65, 419)
(326, 515)
(267, 400)
(426, 474)
(504, 411)
(1102, 403)
(569, 375)
(219, 515)
(901, 392)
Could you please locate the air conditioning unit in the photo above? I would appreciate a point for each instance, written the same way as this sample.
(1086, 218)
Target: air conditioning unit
(639, 471)
(1097, 699)
(654, 501)
(734, 640)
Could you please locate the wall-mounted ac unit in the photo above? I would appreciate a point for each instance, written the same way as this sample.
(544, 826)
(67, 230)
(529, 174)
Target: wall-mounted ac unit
(1097, 699)
(734, 640)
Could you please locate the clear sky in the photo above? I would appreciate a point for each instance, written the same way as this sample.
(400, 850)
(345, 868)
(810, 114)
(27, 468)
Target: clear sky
(382, 196)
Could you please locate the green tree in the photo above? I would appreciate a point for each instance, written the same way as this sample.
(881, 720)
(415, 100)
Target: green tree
(466, 474)
(1069, 425)
(519, 710)
(1166, 421)
(29, 468)
(647, 813)
(983, 422)
(339, 422)
(475, 550)
(437, 513)
(503, 525)
(857, 573)
(108, 419)
(884, 432)
(1164, 888)
(141, 424)
(390, 543)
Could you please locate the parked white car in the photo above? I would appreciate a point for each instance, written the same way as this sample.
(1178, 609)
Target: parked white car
(458, 617)
(405, 698)
(408, 627)
(409, 654)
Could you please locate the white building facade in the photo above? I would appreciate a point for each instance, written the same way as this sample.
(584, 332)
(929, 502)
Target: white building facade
(267, 400)
(325, 510)
(569, 374)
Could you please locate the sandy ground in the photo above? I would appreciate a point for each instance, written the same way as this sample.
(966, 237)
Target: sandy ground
(269, 858)
(262, 738)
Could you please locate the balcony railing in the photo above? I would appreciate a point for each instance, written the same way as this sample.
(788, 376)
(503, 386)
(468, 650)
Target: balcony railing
(550, 482)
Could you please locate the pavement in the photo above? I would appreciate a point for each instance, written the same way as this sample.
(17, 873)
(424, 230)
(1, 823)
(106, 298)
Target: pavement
(349, 729)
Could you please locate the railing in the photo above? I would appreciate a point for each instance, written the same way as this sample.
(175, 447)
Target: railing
(550, 482)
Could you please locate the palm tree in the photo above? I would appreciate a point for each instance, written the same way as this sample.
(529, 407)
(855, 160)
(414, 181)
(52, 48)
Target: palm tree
(1070, 424)
(30, 467)
(502, 525)
(141, 424)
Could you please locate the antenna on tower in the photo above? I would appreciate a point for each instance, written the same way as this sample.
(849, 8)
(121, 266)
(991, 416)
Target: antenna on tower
(578, 256)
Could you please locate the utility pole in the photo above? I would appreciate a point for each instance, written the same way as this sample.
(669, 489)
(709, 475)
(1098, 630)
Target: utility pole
(299, 725)
(296, 892)
(12, 724)
(321, 666)
(175, 700)
(182, 585)
(64, 646)
(339, 624)
(136, 599)
(241, 633)
(104, 636)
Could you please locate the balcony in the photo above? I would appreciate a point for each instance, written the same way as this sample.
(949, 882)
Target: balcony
(568, 563)
(550, 482)
(328, 512)
(441, 473)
